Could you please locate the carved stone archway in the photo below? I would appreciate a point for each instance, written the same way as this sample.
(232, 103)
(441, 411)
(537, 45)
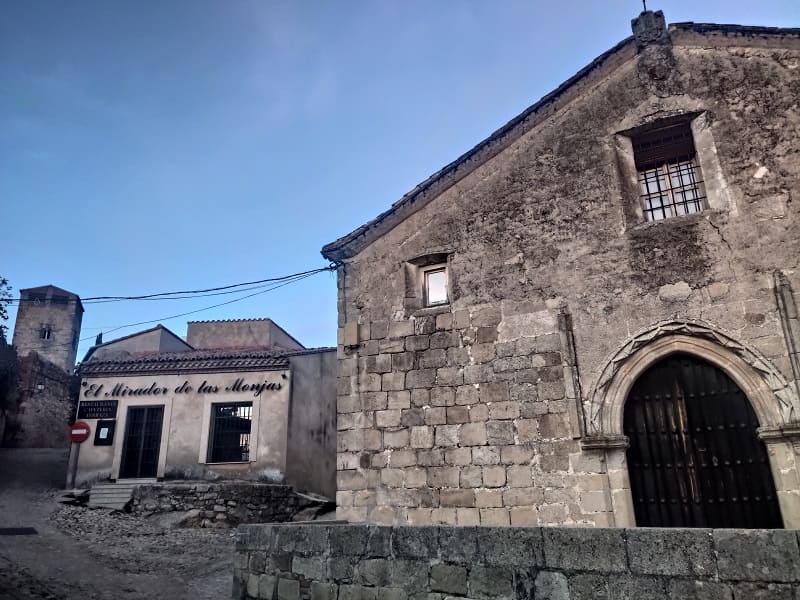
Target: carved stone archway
(774, 399)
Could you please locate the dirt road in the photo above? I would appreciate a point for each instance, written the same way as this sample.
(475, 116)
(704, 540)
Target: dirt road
(80, 553)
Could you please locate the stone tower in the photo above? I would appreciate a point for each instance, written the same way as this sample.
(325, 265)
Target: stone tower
(49, 323)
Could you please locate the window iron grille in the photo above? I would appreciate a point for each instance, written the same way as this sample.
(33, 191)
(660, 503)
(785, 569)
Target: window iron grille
(670, 181)
(671, 189)
(230, 432)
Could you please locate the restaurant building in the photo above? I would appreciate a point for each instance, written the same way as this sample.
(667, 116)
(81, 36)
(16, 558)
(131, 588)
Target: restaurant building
(236, 400)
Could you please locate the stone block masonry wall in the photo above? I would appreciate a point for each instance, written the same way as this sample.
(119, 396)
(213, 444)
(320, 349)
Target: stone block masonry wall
(41, 407)
(553, 220)
(221, 504)
(463, 418)
(348, 562)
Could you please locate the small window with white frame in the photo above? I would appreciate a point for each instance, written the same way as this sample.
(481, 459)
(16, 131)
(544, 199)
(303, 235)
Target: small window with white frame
(46, 332)
(434, 285)
(428, 283)
(670, 180)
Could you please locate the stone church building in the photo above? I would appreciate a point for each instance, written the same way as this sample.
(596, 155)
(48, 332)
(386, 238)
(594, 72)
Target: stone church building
(590, 318)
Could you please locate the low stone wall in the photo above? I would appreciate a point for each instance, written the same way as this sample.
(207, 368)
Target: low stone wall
(360, 562)
(221, 504)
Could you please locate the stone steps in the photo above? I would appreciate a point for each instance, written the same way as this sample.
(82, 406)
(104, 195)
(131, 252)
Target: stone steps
(115, 495)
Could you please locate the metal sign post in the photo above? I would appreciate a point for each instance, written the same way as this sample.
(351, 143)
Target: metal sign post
(78, 433)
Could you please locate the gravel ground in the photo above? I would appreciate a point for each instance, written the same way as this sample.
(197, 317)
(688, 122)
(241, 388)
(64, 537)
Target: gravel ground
(96, 554)
(133, 545)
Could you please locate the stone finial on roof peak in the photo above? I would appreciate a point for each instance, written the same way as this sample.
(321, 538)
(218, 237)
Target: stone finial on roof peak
(650, 28)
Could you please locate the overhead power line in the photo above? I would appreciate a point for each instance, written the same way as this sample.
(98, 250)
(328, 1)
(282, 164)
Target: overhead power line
(268, 285)
(214, 289)
(184, 294)
(191, 312)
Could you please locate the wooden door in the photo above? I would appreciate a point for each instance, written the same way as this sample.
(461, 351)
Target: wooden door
(142, 442)
(695, 459)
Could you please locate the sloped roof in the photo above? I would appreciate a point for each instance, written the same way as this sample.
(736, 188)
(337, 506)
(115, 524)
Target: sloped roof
(355, 241)
(231, 320)
(196, 361)
(92, 350)
(253, 320)
(43, 289)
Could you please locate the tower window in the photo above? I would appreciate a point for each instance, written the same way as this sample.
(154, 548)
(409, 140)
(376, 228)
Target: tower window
(46, 332)
(670, 181)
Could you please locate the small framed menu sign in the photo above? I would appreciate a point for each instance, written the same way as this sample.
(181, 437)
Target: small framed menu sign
(97, 409)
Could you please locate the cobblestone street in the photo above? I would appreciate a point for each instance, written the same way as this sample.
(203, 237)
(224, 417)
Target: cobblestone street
(94, 554)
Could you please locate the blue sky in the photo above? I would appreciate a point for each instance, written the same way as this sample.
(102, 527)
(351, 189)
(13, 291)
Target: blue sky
(159, 146)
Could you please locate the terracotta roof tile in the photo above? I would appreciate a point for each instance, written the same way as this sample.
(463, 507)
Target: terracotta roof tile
(248, 359)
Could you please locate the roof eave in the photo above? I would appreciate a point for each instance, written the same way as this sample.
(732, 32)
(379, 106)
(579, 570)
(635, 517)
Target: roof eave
(354, 242)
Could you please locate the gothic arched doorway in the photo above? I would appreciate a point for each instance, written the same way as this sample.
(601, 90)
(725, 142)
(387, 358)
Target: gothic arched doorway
(695, 459)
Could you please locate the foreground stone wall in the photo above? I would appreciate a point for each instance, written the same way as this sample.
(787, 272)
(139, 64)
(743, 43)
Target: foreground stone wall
(221, 504)
(344, 562)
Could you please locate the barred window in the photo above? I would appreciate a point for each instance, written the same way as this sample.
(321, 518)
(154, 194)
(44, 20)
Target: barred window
(670, 181)
(230, 432)
(46, 332)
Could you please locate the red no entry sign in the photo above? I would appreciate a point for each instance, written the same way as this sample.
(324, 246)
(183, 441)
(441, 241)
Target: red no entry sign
(79, 432)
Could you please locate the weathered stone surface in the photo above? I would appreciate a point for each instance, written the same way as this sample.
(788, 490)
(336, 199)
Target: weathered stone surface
(676, 292)
(700, 590)
(513, 547)
(627, 587)
(585, 549)
(551, 586)
(288, 589)
(374, 572)
(486, 563)
(309, 567)
(763, 591)
(359, 540)
(410, 575)
(458, 544)
(491, 582)
(223, 504)
(324, 591)
(757, 555)
(588, 587)
(415, 542)
(267, 586)
(301, 539)
(450, 579)
(671, 552)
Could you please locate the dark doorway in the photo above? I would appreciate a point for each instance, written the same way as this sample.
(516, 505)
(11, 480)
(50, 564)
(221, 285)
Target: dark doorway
(695, 459)
(142, 442)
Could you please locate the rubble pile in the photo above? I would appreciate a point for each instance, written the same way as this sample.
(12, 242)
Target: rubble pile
(222, 505)
(136, 545)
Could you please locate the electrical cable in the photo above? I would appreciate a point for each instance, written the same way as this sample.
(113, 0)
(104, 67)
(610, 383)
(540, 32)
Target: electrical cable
(277, 281)
(191, 312)
(183, 294)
